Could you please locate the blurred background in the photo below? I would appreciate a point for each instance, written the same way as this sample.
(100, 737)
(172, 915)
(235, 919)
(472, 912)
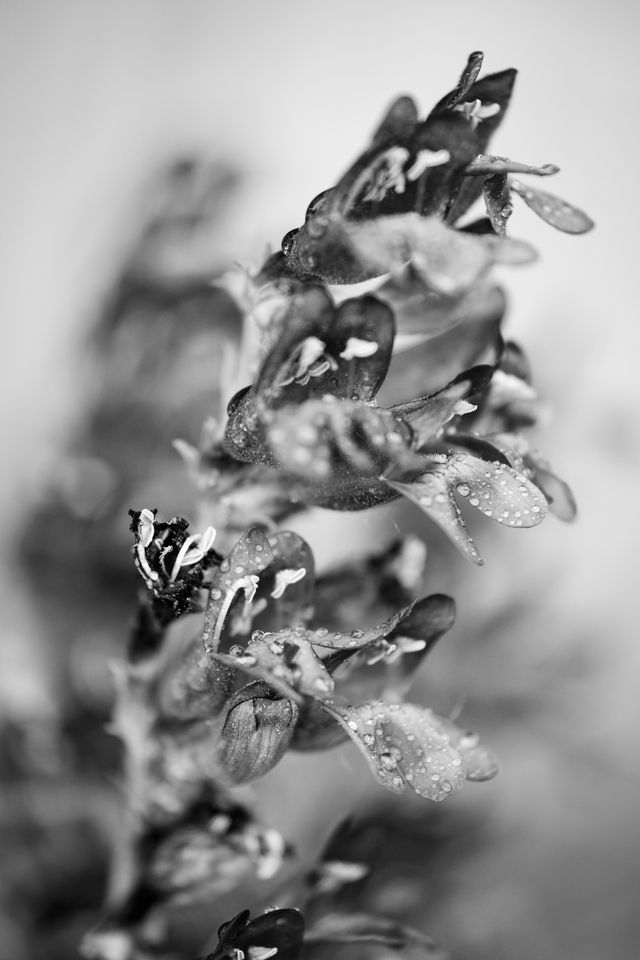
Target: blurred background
(149, 144)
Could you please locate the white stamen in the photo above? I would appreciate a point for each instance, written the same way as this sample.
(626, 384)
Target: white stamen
(405, 645)
(271, 860)
(476, 110)
(390, 177)
(284, 578)
(461, 407)
(357, 348)
(426, 159)
(262, 953)
(146, 527)
(150, 575)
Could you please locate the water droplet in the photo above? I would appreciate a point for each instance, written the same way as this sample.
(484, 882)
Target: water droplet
(463, 489)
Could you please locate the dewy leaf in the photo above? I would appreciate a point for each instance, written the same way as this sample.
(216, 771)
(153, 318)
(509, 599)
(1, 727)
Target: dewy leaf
(480, 763)
(467, 78)
(497, 200)
(286, 660)
(432, 493)
(403, 745)
(358, 639)
(497, 490)
(554, 211)
(238, 572)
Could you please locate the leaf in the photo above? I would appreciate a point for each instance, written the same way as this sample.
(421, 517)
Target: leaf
(358, 639)
(432, 493)
(497, 490)
(488, 165)
(498, 202)
(403, 745)
(430, 618)
(286, 660)
(554, 211)
(467, 78)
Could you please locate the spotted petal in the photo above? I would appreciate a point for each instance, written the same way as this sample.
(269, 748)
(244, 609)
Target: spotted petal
(403, 744)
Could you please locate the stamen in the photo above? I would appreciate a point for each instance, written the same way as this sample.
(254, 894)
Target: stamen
(476, 110)
(355, 348)
(146, 527)
(426, 159)
(284, 578)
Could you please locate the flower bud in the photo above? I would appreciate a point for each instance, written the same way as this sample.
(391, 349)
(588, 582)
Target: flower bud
(257, 731)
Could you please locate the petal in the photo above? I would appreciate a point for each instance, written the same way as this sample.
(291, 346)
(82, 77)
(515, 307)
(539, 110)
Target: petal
(336, 930)
(399, 121)
(286, 660)
(316, 729)
(368, 319)
(554, 211)
(358, 639)
(403, 744)
(427, 415)
(249, 557)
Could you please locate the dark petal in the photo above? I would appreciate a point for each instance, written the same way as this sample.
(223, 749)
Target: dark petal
(310, 314)
(430, 618)
(431, 492)
(256, 732)
(497, 199)
(475, 340)
(514, 362)
(249, 557)
(317, 203)
(480, 763)
(489, 165)
(554, 211)
(280, 929)
(428, 415)
(467, 78)
(244, 434)
(293, 606)
(362, 319)
(322, 439)
(481, 447)
(335, 930)
(403, 744)
(316, 729)
(558, 493)
(399, 121)
(494, 88)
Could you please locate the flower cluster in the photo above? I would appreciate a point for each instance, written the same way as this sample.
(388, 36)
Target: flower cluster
(409, 389)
